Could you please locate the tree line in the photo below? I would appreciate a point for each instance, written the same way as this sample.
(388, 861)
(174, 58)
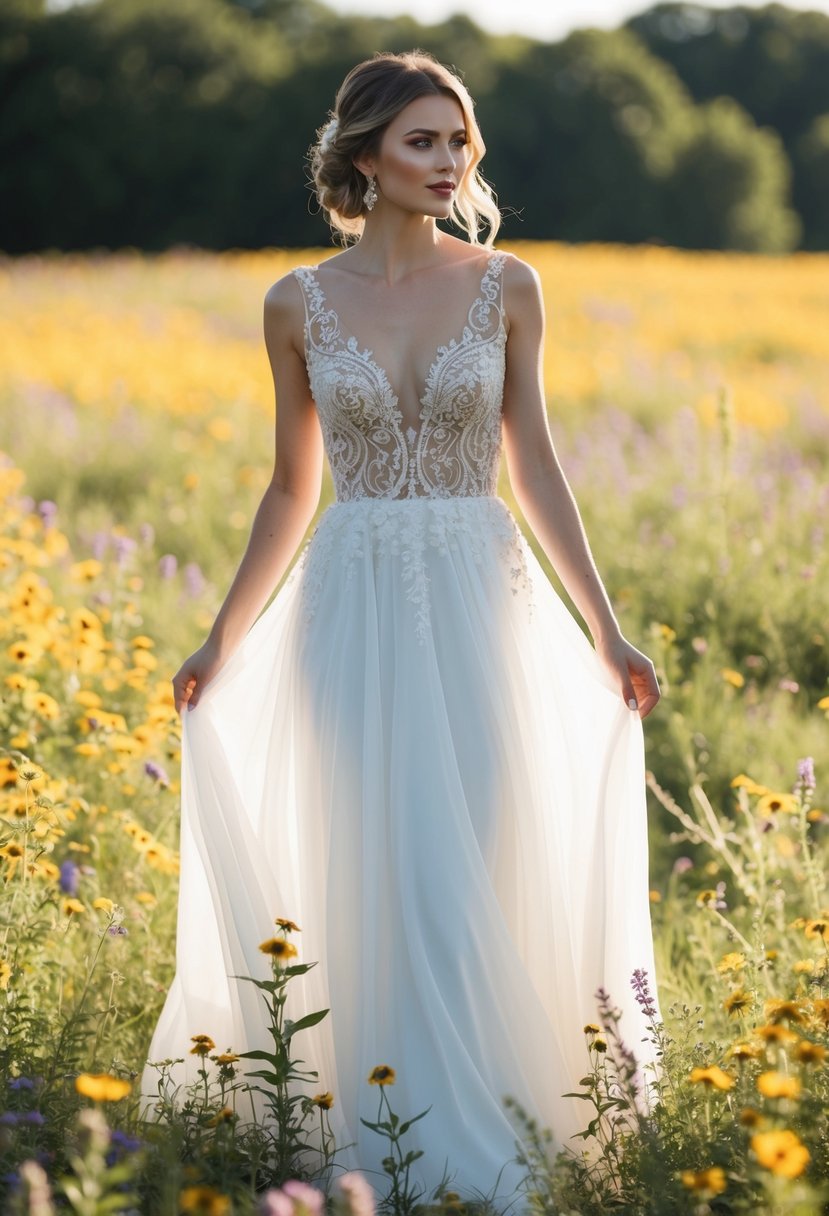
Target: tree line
(149, 124)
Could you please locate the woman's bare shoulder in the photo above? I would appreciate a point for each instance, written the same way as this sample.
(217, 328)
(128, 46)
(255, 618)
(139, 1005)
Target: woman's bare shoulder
(518, 274)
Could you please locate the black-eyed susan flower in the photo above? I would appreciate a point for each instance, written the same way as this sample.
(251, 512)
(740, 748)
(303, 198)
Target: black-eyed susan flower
(278, 948)
(713, 1076)
(782, 1152)
(598, 1043)
(783, 1011)
(743, 781)
(711, 1181)
(744, 1051)
(101, 1087)
(323, 1101)
(227, 1057)
(203, 1201)
(731, 962)
(202, 1045)
(288, 926)
(737, 1001)
(72, 907)
(382, 1074)
(749, 1117)
(807, 1052)
(775, 804)
(592, 1028)
(221, 1116)
(778, 1085)
(817, 928)
(775, 1033)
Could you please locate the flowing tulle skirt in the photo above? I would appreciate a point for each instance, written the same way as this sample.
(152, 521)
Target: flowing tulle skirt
(416, 755)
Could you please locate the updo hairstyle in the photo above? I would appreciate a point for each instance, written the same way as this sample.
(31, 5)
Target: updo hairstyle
(371, 96)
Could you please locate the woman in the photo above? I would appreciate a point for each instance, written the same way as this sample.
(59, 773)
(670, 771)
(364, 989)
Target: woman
(414, 753)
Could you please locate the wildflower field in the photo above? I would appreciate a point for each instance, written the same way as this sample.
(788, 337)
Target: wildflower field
(689, 399)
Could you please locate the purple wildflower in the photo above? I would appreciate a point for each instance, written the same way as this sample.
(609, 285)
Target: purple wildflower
(21, 1083)
(69, 876)
(805, 777)
(275, 1203)
(154, 770)
(641, 987)
(167, 565)
(47, 510)
(99, 544)
(124, 547)
(9, 1118)
(194, 579)
(358, 1193)
(682, 865)
(308, 1201)
(146, 533)
(33, 1116)
(117, 930)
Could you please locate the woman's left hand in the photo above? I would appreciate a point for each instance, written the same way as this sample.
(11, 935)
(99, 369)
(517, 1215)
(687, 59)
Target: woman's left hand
(634, 673)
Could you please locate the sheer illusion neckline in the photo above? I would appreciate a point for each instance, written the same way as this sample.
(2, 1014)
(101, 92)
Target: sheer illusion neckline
(472, 332)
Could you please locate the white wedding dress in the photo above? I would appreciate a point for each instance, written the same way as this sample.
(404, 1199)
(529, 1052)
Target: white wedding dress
(416, 755)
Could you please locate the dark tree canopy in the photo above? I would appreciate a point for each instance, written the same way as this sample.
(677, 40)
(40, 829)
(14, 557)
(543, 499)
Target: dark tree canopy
(145, 123)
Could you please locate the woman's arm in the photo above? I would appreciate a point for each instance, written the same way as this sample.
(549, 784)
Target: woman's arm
(543, 494)
(288, 504)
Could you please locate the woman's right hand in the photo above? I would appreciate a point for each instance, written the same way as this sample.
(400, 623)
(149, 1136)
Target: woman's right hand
(196, 673)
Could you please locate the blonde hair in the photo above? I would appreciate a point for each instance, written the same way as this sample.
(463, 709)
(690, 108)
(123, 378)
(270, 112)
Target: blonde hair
(371, 96)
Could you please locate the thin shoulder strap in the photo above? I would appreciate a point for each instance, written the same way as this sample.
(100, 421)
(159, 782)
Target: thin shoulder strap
(312, 294)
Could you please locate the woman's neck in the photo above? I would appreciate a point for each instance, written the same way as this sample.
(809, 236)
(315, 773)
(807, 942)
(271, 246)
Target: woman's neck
(396, 243)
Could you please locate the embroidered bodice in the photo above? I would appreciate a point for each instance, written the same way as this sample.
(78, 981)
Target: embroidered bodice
(455, 449)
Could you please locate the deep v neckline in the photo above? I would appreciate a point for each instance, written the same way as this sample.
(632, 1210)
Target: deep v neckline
(351, 343)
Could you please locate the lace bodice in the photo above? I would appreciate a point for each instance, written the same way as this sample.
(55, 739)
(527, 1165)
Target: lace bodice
(455, 450)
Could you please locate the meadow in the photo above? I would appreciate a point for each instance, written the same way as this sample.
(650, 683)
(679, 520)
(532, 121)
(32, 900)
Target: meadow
(689, 400)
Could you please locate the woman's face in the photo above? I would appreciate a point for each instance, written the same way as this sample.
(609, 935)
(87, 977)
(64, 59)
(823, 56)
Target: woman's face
(423, 157)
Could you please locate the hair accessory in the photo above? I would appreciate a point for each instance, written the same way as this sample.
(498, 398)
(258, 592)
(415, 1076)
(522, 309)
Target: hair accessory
(330, 133)
(371, 196)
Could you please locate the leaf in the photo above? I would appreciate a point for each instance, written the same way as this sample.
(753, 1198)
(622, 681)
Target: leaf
(404, 1127)
(310, 1019)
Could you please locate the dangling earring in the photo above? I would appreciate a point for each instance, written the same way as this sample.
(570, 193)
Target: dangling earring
(370, 197)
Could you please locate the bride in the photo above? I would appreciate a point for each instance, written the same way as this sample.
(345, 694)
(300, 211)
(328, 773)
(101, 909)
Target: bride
(414, 753)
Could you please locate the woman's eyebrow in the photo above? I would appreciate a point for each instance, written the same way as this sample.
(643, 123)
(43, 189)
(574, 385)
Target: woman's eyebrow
(426, 131)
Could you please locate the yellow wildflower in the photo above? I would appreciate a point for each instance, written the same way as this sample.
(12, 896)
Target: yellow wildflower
(592, 1028)
(778, 1085)
(103, 904)
(744, 1051)
(783, 1011)
(737, 1001)
(323, 1101)
(203, 1201)
(203, 1045)
(5, 973)
(743, 781)
(599, 1043)
(776, 1034)
(101, 1087)
(713, 1075)
(287, 925)
(807, 1052)
(381, 1074)
(278, 948)
(227, 1057)
(221, 1116)
(86, 571)
(782, 1152)
(72, 905)
(731, 962)
(773, 804)
(817, 928)
(732, 677)
(712, 1180)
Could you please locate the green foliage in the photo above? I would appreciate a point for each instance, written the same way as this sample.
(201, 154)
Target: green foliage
(140, 123)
